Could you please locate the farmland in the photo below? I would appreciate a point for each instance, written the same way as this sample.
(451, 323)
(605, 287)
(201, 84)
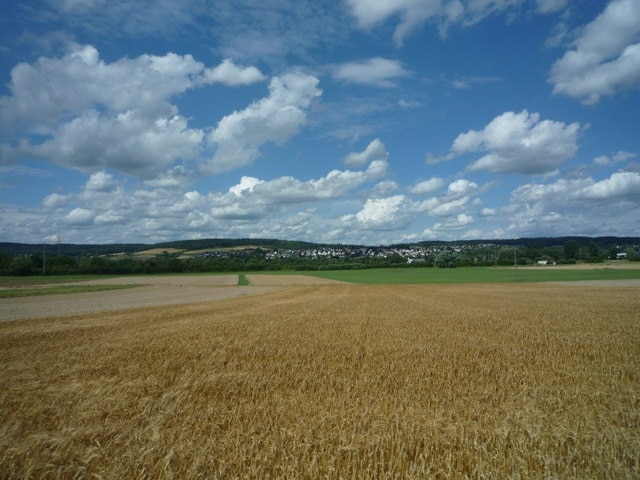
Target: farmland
(526, 380)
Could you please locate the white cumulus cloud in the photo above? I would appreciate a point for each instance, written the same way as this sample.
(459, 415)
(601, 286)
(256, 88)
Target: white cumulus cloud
(90, 114)
(519, 143)
(55, 200)
(381, 214)
(80, 216)
(275, 118)
(100, 182)
(619, 186)
(374, 151)
(568, 206)
(427, 186)
(230, 74)
(129, 142)
(605, 57)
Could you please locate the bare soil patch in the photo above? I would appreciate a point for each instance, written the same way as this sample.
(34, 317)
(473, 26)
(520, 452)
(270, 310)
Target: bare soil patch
(157, 251)
(289, 280)
(153, 291)
(168, 280)
(628, 282)
(617, 264)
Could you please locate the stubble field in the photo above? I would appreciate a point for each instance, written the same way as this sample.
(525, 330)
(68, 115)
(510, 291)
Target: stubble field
(331, 381)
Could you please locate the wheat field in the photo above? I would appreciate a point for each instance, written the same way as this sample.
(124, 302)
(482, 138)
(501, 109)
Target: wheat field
(335, 382)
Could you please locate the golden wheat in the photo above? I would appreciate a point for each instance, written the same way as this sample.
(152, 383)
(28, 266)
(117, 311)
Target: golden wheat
(379, 382)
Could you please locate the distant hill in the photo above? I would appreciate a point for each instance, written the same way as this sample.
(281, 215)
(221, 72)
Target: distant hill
(77, 250)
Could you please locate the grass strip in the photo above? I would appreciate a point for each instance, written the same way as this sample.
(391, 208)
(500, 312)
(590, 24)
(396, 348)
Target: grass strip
(243, 281)
(19, 281)
(30, 292)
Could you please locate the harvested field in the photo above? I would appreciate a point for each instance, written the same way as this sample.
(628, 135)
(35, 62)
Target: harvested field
(153, 291)
(337, 381)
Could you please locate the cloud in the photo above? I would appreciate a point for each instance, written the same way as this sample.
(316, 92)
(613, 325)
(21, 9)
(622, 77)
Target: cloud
(519, 143)
(79, 217)
(119, 18)
(461, 187)
(381, 214)
(272, 31)
(246, 185)
(456, 223)
(374, 72)
(55, 200)
(412, 14)
(52, 89)
(619, 186)
(464, 83)
(461, 220)
(100, 182)
(384, 188)
(230, 74)
(120, 211)
(176, 177)
(91, 115)
(128, 142)
(550, 6)
(619, 157)
(275, 118)
(568, 207)
(456, 198)
(428, 186)
(605, 57)
(290, 190)
(374, 151)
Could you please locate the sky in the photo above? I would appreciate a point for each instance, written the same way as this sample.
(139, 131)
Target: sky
(366, 122)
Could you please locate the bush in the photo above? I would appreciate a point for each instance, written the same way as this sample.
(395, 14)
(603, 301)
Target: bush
(446, 259)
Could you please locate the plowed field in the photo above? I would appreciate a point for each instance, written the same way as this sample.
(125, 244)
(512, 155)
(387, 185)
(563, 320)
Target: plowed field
(335, 381)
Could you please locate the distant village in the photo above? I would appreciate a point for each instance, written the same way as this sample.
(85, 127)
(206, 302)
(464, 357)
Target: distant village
(410, 254)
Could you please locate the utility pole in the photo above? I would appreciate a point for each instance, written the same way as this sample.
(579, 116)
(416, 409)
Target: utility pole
(44, 258)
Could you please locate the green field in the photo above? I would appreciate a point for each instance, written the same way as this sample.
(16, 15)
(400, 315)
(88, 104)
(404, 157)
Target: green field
(475, 275)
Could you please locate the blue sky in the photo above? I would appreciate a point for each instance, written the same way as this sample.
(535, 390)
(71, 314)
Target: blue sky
(341, 121)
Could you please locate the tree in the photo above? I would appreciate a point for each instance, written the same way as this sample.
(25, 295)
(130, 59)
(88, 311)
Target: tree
(395, 258)
(571, 248)
(23, 265)
(446, 259)
(62, 265)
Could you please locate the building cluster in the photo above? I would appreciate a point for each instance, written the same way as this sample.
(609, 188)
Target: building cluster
(410, 253)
